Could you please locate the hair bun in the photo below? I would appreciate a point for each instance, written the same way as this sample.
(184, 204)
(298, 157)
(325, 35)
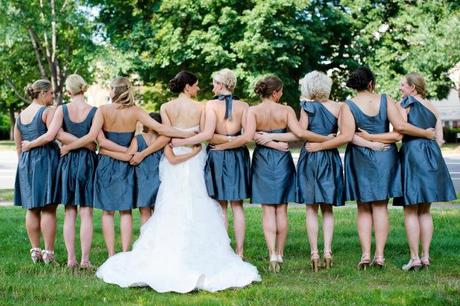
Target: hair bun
(84, 87)
(174, 85)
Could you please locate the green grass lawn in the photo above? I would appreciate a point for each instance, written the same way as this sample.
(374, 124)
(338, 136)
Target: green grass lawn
(22, 282)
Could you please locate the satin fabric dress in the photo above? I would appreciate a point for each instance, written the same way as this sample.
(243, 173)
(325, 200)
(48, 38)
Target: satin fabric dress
(36, 172)
(147, 176)
(425, 177)
(371, 175)
(273, 178)
(114, 183)
(227, 174)
(320, 174)
(75, 172)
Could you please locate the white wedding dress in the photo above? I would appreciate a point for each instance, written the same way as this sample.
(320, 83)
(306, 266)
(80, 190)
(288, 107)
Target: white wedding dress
(184, 246)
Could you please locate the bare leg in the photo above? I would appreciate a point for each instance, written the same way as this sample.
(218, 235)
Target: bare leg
(365, 228)
(381, 226)
(126, 221)
(328, 227)
(86, 232)
(411, 221)
(48, 226)
(223, 205)
(282, 228)
(312, 227)
(146, 213)
(108, 229)
(69, 233)
(426, 229)
(239, 225)
(269, 226)
(33, 226)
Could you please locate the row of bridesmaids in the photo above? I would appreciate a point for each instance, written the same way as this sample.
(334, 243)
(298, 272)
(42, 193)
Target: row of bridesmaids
(125, 175)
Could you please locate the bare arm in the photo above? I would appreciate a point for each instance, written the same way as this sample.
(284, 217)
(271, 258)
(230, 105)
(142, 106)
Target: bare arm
(123, 156)
(402, 126)
(144, 118)
(295, 128)
(66, 138)
(177, 159)
(249, 126)
(53, 123)
(210, 121)
(17, 138)
(110, 145)
(439, 133)
(347, 127)
(156, 145)
(96, 127)
(389, 137)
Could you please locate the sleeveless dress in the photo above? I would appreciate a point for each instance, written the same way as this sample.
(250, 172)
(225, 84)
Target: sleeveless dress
(146, 176)
(75, 172)
(425, 177)
(227, 173)
(320, 174)
(114, 187)
(273, 177)
(36, 172)
(184, 245)
(371, 175)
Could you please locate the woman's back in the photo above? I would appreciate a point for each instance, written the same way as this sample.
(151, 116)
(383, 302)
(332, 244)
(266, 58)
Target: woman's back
(270, 116)
(183, 113)
(117, 119)
(233, 126)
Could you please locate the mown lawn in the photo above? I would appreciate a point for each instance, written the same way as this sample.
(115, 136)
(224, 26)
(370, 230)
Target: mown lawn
(22, 282)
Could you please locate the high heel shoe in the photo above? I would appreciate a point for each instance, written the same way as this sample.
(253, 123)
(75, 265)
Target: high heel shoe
(273, 264)
(327, 258)
(48, 257)
(378, 261)
(314, 261)
(425, 262)
(36, 254)
(414, 264)
(364, 263)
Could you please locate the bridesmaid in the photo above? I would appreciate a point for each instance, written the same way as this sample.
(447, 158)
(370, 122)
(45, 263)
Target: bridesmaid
(319, 171)
(114, 188)
(425, 177)
(227, 172)
(372, 177)
(273, 170)
(36, 172)
(75, 171)
(149, 150)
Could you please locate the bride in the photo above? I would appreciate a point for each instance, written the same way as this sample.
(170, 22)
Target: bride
(184, 246)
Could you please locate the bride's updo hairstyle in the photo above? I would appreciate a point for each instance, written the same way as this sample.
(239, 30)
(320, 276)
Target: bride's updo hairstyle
(75, 84)
(33, 90)
(266, 86)
(122, 92)
(225, 77)
(177, 84)
(361, 78)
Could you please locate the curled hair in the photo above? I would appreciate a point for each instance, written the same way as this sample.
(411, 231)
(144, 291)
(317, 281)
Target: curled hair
(266, 86)
(183, 78)
(33, 90)
(122, 92)
(361, 78)
(416, 79)
(226, 77)
(75, 84)
(315, 85)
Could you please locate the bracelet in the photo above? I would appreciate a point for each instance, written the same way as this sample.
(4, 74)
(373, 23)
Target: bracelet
(229, 138)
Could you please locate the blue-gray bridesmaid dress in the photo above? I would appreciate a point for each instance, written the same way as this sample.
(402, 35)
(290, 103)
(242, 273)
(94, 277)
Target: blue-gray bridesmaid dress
(147, 176)
(114, 183)
(75, 172)
(371, 175)
(36, 172)
(320, 174)
(273, 178)
(425, 177)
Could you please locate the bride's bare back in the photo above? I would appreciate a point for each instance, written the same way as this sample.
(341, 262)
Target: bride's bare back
(183, 112)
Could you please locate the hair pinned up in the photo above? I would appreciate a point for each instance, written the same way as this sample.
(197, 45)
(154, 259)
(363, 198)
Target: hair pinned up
(226, 77)
(183, 78)
(266, 86)
(361, 78)
(33, 90)
(123, 92)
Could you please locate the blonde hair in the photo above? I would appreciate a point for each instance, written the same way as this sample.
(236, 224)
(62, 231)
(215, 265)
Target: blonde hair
(315, 85)
(75, 84)
(33, 90)
(123, 92)
(226, 77)
(416, 79)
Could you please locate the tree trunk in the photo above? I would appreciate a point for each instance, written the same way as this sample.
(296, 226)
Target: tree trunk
(12, 122)
(37, 49)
